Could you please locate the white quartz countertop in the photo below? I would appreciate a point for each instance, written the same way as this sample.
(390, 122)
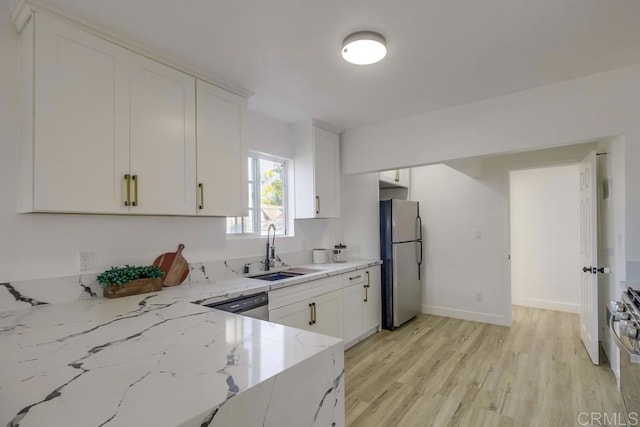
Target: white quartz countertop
(129, 362)
(213, 291)
(151, 359)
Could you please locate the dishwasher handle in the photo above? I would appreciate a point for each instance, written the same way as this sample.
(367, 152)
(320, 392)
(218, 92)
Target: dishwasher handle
(242, 304)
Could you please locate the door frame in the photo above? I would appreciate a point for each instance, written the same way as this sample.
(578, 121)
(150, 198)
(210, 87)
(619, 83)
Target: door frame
(507, 180)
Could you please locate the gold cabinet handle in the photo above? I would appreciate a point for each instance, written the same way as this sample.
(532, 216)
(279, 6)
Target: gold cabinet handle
(355, 277)
(311, 313)
(314, 313)
(201, 187)
(127, 180)
(397, 175)
(366, 293)
(134, 178)
(317, 205)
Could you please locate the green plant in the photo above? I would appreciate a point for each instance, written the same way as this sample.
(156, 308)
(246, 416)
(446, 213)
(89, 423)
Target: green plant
(121, 275)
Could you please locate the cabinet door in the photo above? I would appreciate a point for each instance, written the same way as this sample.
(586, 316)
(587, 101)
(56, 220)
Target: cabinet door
(81, 130)
(395, 178)
(327, 172)
(162, 139)
(328, 309)
(352, 301)
(222, 153)
(372, 309)
(297, 315)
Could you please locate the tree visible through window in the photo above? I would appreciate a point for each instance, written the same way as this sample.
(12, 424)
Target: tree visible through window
(267, 199)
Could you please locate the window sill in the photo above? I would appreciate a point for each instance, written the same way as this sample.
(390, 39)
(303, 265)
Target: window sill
(238, 236)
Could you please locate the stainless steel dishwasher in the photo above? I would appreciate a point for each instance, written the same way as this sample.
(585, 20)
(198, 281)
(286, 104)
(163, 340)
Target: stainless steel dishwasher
(255, 306)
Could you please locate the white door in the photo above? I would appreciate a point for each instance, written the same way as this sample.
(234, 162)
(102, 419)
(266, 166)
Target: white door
(328, 314)
(222, 154)
(353, 299)
(372, 307)
(297, 315)
(589, 256)
(81, 121)
(163, 157)
(327, 170)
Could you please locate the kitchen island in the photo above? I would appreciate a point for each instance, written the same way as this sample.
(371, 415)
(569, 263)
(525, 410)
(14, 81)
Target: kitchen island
(136, 361)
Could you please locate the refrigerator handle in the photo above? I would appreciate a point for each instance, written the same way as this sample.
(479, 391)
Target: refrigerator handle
(419, 258)
(419, 242)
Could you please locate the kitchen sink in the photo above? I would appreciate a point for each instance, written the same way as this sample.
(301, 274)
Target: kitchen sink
(285, 274)
(272, 277)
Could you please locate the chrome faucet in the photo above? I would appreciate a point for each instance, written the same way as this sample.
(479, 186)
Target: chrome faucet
(271, 248)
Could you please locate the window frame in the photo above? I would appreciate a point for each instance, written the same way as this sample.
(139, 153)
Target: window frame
(254, 166)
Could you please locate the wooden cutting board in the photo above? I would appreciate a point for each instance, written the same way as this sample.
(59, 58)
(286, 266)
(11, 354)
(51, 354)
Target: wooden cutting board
(175, 267)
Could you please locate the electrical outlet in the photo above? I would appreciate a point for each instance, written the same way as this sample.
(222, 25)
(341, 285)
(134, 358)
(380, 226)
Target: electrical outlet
(85, 261)
(478, 234)
(479, 297)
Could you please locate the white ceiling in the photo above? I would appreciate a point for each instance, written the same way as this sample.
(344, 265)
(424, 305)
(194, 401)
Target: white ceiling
(441, 53)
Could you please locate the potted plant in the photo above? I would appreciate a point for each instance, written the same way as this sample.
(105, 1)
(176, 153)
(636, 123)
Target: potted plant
(130, 280)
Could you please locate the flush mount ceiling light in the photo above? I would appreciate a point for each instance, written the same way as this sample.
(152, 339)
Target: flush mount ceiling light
(364, 48)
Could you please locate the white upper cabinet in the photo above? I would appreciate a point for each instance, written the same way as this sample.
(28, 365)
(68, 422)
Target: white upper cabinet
(317, 172)
(106, 130)
(222, 152)
(75, 131)
(163, 139)
(395, 178)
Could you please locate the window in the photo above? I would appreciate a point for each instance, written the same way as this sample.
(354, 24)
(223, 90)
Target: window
(267, 198)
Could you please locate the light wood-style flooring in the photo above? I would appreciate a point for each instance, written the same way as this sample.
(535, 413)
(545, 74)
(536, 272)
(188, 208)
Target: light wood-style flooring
(436, 371)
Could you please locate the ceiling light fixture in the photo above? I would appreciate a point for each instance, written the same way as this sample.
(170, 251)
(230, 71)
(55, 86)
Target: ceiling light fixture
(364, 48)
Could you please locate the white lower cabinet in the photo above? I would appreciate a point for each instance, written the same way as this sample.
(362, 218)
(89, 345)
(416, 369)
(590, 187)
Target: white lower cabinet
(352, 297)
(361, 302)
(346, 306)
(372, 306)
(321, 314)
(328, 314)
(297, 315)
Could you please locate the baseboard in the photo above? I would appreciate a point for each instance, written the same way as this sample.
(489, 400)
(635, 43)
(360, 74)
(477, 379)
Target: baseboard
(348, 345)
(547, 305)
(474, 316)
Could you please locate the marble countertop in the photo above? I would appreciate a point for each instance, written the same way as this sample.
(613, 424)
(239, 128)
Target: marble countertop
(128, 361)
(132, 361)
(214, 291)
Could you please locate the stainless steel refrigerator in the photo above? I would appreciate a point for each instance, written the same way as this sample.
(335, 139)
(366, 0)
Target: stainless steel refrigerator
(401, 252)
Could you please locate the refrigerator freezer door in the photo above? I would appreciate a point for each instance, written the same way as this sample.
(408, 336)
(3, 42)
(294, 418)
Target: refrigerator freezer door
(407, 289)
(404, 221)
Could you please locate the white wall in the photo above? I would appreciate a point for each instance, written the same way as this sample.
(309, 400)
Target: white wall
(360, 215)
(610, 229)
(545, 237)
(46, 245)
(583, 109)
(466, 223)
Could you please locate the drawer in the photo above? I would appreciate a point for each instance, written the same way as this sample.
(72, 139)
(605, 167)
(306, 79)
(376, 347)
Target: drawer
(354, 277)
(296, 293)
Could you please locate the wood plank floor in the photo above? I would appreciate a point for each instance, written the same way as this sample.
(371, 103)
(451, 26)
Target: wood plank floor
(436, 371)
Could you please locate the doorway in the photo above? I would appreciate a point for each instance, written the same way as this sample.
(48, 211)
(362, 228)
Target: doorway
(545, 237)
